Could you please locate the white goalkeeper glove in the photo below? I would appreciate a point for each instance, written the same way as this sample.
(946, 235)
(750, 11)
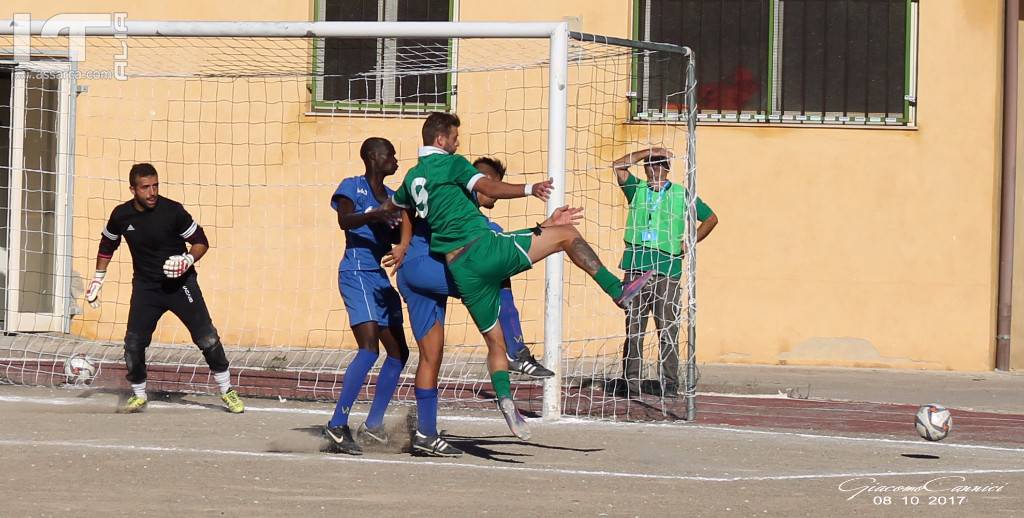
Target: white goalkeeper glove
(176, 265)
(92, 295)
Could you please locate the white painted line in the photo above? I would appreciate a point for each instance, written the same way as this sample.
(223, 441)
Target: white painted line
(891, 412)
(565, 421)
(918, 443)
(305, 457)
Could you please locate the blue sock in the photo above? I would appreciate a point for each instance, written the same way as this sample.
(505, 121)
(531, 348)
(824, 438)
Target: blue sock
(508, 317)
(387, 382)
(351, 384)
(426, 411)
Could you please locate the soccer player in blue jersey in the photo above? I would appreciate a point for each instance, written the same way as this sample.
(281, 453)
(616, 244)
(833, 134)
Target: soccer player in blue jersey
(374, 307)
(426, 284)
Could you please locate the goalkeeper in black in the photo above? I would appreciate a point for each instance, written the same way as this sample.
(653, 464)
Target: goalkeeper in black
(156, 229)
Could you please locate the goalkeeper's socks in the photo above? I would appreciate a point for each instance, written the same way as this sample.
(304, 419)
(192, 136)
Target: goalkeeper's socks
(351, 384)
(139, 389)
(511, 327)
(387, 382)
(502, 386)
(223, 380)
(609, 282)
(426, 411)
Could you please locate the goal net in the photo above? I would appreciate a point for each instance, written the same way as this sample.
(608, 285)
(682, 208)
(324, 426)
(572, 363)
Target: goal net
(253, 128)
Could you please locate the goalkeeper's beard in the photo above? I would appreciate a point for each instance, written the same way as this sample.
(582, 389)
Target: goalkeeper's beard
(146, 203)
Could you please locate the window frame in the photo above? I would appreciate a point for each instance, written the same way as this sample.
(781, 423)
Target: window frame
(15, 318)
(773, 65)
(320, 106)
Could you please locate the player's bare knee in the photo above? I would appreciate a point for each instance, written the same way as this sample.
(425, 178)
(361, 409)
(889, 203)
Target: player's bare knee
(567, 234)
(373, 347)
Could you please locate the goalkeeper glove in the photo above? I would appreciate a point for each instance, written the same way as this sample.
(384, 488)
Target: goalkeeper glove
(176, 265)
(92, 295)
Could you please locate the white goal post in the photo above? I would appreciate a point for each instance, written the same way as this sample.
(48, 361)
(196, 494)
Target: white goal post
(652, 125)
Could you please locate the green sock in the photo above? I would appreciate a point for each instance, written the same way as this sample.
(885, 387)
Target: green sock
(502, 386)
(609, 282)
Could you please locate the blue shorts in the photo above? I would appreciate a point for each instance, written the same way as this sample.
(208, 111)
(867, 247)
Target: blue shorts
(369, 297)
(425, 284)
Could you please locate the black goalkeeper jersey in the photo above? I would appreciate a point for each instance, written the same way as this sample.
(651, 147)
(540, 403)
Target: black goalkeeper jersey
(153, 235)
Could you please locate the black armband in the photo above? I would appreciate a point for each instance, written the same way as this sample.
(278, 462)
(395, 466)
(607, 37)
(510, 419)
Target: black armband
(198, 237)
(108, 246)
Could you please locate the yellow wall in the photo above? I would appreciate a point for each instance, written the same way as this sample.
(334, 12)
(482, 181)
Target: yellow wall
(1017, 322)
(849, 247)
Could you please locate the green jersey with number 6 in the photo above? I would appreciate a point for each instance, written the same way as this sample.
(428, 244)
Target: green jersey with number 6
(440, 188)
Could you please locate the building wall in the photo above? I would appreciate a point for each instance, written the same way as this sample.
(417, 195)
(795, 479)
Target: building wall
(1017, 321)
(846, 247)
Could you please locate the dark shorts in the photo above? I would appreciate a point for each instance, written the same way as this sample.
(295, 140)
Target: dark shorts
(184, 299)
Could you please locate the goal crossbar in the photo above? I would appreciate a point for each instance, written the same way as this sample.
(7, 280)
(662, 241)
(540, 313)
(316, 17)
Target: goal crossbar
(558, 35)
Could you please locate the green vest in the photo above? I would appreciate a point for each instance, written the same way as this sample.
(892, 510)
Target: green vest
(658, 216)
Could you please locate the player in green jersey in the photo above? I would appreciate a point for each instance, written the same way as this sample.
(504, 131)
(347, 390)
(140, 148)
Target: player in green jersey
(440, 189)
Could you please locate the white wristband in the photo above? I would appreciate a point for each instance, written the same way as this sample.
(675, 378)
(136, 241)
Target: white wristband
(529, 189)
(99, 275)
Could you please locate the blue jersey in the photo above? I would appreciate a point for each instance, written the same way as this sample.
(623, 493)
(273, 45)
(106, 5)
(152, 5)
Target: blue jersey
(420, 244)
(365, 246)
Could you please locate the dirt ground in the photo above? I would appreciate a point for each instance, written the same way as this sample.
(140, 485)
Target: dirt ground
(65, 452)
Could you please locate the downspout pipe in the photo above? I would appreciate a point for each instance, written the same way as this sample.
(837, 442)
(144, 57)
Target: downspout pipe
(1009, 183)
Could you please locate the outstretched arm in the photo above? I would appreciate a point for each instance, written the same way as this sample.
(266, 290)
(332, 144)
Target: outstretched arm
(506, 191)
(622, 165)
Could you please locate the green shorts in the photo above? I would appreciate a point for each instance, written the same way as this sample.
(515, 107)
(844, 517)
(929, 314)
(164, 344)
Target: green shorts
(480, 271)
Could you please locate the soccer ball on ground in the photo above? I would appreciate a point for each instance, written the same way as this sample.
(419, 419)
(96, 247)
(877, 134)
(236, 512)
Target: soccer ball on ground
(933, 422)
(80, 369)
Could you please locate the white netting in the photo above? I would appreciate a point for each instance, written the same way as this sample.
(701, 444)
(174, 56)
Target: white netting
(250, 135)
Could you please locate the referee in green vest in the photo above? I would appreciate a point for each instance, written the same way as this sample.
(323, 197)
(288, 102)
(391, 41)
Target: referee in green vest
(655, 230)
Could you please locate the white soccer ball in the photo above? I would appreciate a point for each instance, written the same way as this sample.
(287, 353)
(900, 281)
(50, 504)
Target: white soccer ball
(933, 422)
(80, 369)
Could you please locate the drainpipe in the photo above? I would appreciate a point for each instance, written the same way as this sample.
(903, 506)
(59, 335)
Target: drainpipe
(1009, 184)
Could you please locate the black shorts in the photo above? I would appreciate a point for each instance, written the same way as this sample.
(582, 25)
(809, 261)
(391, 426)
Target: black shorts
(183, 298)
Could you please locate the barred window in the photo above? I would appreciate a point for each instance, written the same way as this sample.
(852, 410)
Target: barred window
(382, 74)
(784, 61)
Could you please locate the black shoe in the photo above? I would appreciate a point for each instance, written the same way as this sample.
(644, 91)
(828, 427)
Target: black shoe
(525, 363)
(434, 446)
(339, 440)
(376, 436)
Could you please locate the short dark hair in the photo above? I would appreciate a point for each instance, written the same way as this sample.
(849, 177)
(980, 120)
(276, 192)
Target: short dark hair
(438, 123)
(494, 163)
(140, 171)
(372, 144)
(661, 160)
